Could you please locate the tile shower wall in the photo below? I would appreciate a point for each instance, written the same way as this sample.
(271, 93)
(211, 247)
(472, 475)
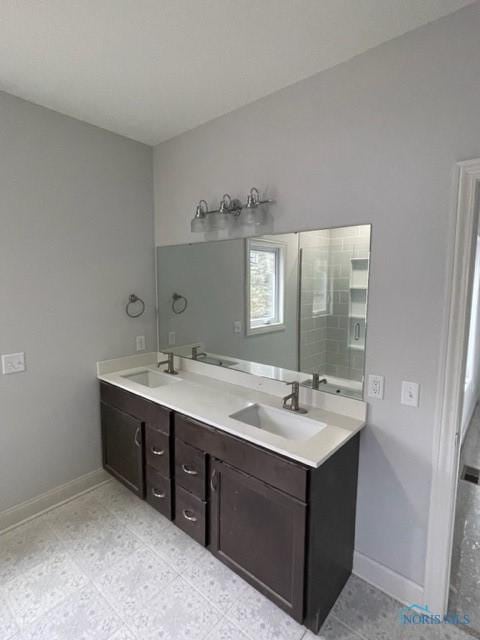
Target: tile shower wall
(315, 248)
(342, 359)
(327, 336)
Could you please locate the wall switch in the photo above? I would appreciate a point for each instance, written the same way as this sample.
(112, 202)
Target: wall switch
(410, 393)
(172, 337)
(13, 363)
(375, 387)
(237, 326)
(140, 342)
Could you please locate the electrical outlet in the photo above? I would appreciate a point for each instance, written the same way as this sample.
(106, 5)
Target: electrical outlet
(375, 387)
(410, 393)
(140, 342)
(237, 326)
(13, 363)
(172, 337)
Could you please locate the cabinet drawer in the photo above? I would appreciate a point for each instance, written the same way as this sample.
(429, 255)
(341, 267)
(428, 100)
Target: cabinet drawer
(159, 492)
(159, 418)
(190, 469)
(157, 450)
(190, 515)
(155, 415)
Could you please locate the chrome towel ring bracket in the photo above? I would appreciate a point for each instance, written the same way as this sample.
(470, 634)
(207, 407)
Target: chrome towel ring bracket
(179, 303)
(132, 301)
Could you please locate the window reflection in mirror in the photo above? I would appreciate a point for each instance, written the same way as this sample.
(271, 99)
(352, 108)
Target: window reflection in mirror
(265, 285)
(271, 305)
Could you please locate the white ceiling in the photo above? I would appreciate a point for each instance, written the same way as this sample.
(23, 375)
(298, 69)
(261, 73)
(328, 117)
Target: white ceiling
(151, 69)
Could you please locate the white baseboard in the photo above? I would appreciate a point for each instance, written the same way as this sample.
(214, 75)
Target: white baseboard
(13, 516)
(392, 583)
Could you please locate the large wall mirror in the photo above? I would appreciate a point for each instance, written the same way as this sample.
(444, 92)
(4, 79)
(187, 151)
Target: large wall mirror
(271, 305)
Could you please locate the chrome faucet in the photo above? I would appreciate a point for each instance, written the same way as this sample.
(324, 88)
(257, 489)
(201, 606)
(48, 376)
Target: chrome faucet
(316, 382)
(195, 353)
(292, 401)
(170, 365)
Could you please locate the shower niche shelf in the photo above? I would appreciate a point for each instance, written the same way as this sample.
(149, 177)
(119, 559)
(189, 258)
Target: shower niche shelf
(358, 303)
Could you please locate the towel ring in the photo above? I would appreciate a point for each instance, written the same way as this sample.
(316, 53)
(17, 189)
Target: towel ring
(133, 299)
(178, 306)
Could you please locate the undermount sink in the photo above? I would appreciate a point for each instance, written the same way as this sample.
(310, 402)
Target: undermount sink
(151, 379)
(279, 421)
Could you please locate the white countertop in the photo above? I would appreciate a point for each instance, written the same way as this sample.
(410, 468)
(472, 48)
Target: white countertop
(212, 401)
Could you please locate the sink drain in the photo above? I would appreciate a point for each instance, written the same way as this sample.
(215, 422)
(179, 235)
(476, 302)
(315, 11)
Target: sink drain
(471, 474)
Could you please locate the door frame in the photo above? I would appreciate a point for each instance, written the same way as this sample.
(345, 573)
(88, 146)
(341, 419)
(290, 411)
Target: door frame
(449, 403)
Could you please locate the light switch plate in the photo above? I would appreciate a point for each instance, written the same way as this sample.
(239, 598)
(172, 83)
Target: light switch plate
(172, 337)
(375, 386)
(410, 393)
(237, 326)
(140, 342)
(13, 363)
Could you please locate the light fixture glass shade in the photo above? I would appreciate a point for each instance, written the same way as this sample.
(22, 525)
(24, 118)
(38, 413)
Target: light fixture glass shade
(219, 220)
(260, 215)
(253, 216)
(250, 216)
(197, 225)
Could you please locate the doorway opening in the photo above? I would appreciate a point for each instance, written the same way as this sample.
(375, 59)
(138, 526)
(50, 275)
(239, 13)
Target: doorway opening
(456, 399)
(464, 591)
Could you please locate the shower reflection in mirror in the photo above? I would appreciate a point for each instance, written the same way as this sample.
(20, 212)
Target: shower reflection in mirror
(271, 305)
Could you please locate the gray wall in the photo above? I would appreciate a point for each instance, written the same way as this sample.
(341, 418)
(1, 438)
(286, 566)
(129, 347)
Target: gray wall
(76, 231)
(372, 140)
(212, 277)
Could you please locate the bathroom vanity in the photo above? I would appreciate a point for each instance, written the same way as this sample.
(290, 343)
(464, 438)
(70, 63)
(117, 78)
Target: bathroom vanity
(281, 520)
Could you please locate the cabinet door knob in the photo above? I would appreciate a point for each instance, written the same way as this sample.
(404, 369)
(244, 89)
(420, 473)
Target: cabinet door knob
(158, 452)
(137, 441)
(158, 494)
(213, 480)
(188, 515)
(188, 471)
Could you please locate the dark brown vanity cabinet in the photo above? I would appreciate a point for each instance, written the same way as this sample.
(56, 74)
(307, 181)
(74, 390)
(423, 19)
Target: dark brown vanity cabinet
(136, 445)
(286, 528)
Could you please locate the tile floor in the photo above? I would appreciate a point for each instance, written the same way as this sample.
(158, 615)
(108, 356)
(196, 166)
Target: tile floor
(465, 577)
(106, 566)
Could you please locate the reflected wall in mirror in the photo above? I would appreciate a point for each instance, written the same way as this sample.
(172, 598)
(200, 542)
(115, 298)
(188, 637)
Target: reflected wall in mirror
(271, 305)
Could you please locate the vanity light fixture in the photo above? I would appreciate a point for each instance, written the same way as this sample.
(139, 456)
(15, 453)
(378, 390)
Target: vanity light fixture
(253, 199)
(231, 211)
(199, 222)
(254, 213)
(228, 208)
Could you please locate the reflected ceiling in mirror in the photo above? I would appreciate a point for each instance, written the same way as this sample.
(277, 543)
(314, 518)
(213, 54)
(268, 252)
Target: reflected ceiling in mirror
(271, 305)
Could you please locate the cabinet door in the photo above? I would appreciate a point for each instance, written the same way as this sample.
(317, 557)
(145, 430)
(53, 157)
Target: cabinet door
(259, 532)
(122, 437)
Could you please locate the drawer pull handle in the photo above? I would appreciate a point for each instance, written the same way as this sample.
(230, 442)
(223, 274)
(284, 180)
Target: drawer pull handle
(158, 494)
(137, 441)
(188, 471)
(213, 480)
(188, 516)
(158, 452)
